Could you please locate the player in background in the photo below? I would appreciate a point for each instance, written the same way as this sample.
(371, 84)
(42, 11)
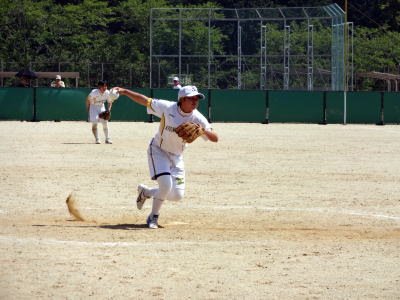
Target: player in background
(95, 104)
(165, 151)
(57, 83)
(176, 83)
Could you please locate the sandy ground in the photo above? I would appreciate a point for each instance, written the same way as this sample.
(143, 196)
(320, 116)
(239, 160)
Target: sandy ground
(272, 211)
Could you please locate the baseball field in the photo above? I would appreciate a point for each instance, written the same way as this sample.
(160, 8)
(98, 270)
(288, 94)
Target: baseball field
(278, 211)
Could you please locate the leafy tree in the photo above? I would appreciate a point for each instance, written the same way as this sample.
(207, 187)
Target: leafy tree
(376, 50)
(117, 32)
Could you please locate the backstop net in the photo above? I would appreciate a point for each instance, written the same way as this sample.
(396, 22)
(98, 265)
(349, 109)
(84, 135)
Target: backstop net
(296, 48)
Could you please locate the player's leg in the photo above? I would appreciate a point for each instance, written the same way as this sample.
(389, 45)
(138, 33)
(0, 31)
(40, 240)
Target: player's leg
(161, 163)
(178, 189)
(94, 118)
(158, 164)
(160, 170)
(160, 194)
(106, 131)
(95, 132)
(178, 179)
(170, 186)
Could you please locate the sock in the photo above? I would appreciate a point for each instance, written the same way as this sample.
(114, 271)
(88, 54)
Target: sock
(95, 132)
(157, 203)
(105, 129)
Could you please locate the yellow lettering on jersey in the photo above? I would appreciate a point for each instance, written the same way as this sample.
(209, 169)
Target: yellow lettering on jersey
(161, 128)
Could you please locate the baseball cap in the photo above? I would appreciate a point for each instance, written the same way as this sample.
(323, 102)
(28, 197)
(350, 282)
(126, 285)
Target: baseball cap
(189, 91)
(176, 78)
(58, 77)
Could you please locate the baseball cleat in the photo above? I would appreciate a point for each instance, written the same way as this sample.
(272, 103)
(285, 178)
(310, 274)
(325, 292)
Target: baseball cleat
(152, 221)
(141, 198)
(98, 141)
(108, 141)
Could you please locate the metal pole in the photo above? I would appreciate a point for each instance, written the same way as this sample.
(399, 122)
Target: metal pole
(263, 56)
(2, 69)
(159, 73)
(286, 57)
(310, 58)
(239, 50)
(345, 32)
(151, 48)
(130, 76)
(209, 49)
(352, 58)
(88, 74)
(180, 42)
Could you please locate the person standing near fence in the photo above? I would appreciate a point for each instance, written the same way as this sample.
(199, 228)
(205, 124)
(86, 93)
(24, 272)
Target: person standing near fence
(58, 83)
(176, 83)
(95, 104)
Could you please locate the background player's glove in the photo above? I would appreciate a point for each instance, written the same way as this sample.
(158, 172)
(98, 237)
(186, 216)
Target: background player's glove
(106, 115)
(189, 131)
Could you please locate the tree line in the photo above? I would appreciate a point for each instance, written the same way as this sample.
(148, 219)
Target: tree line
(48, 31)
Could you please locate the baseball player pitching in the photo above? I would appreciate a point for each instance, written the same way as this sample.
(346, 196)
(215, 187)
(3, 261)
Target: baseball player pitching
(97, 111)
(180, 123)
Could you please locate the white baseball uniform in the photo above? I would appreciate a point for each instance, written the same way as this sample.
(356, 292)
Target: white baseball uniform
(166, 148)
(97, 100)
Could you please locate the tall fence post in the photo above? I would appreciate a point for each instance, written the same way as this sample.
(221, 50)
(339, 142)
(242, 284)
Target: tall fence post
(382, 110)
(324, 120)
(266, 121)
(209, 105)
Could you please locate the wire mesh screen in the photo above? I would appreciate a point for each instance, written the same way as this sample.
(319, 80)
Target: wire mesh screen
(266, 48)
(117, 74)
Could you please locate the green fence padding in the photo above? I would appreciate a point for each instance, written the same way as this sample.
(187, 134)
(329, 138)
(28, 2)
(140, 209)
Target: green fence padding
(125, 109)
(391, 108)
(70, 105)
(67, 104)
(334, 108)
(238, 106)
(363, 107)
(295, 106)
(43, 104)
(16, 104)
(165, 94)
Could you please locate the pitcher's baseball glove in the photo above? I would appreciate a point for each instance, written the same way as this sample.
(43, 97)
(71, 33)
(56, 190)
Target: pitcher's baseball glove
(189, 131)
(106, 115)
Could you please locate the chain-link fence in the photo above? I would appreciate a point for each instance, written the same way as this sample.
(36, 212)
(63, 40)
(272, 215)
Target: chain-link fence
(90, 73)
(306, 48)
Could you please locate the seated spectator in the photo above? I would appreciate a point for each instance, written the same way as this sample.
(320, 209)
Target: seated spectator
(58, 83)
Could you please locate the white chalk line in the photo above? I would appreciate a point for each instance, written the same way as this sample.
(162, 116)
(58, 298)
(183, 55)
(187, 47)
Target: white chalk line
(313, 209)
(146, 244)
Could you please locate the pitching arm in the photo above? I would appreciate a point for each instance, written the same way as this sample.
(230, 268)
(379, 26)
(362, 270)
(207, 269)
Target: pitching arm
(136, 97)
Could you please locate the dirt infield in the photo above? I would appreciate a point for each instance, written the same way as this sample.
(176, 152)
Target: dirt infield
(271, 212)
